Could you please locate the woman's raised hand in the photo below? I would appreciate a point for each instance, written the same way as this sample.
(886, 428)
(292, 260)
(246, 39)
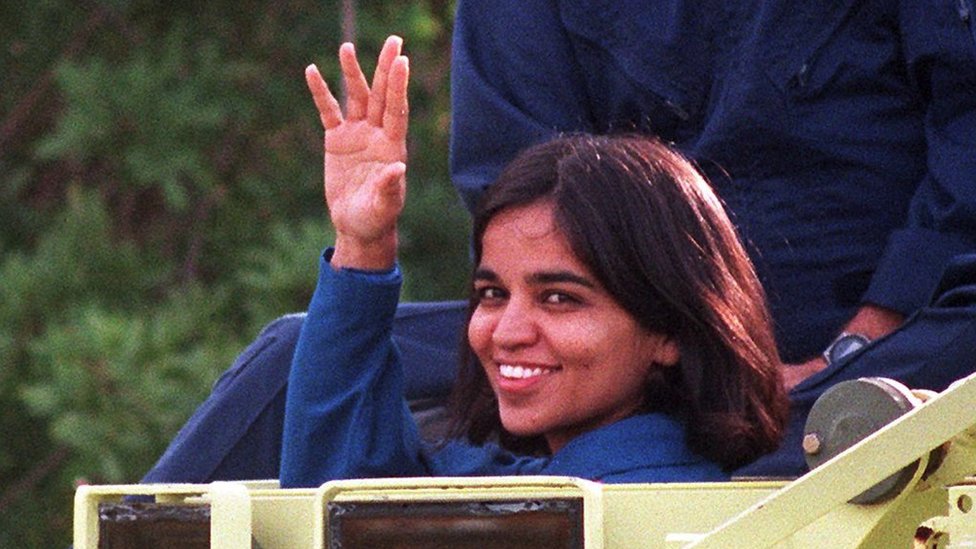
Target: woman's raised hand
(365, 155)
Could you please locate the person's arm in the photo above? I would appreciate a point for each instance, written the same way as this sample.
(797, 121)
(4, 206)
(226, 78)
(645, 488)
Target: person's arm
(344, 411)
(345, 416)
(514, 82)
(870, 321)
(940, 56)
(939, 41)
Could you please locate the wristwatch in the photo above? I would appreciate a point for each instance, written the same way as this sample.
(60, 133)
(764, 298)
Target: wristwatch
(846, 344)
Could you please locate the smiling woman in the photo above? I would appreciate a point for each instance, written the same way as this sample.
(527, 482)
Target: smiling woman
(609, 261)
(617, 331)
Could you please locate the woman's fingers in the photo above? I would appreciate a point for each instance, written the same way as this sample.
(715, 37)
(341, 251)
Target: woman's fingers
(385, 105)
(397, 111)
(377, 97)
(356, 86)
(329, 112)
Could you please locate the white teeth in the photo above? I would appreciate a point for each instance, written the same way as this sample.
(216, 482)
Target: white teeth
(519, 372)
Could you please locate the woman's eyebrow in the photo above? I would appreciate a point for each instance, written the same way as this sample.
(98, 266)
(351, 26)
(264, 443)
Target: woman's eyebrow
(542, 277)
(551, 277)
(482, 273)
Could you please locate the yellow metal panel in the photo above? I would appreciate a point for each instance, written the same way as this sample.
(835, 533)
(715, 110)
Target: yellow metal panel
(230, 515)
(283, 519)
(644, 515)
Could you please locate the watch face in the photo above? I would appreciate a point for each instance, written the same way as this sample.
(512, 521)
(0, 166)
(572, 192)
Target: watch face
(846, 345)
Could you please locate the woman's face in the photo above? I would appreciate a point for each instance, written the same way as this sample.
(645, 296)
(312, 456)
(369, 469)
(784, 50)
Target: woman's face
(561, 355)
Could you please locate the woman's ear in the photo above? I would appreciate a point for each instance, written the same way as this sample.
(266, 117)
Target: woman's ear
(657, 349)
(667, 353)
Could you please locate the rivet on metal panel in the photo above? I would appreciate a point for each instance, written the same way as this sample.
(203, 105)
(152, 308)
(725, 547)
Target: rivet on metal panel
(811, 443)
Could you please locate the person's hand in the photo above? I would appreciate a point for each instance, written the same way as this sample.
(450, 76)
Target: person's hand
(872, 321)
(793, 374)
(365, 155)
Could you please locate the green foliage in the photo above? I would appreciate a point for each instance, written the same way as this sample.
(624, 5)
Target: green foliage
(113, 385)
(169, 105)
(76, 256)
(277, 274)
(160, 198)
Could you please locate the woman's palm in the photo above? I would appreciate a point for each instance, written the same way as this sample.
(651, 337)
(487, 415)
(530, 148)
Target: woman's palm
(365, 148)
(363, 200)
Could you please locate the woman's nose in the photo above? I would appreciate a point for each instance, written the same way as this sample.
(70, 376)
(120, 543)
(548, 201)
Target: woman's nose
(515, 327)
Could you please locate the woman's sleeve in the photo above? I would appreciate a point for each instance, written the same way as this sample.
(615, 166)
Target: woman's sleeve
(345, 416)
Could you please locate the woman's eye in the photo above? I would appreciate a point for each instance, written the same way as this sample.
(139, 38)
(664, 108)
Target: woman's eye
(489, 293)
(559, 298)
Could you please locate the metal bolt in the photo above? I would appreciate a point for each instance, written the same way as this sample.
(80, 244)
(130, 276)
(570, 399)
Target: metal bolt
(811, 444)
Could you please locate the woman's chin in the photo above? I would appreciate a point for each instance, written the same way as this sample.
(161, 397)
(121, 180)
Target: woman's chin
(521, 427)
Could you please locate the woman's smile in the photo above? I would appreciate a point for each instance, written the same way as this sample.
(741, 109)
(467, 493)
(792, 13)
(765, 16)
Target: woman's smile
(521, 380)
(513, 372)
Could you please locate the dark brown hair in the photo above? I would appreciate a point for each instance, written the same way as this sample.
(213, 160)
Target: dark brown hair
(651, 230)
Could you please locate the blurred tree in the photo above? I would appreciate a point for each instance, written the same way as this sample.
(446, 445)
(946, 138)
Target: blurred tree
(160, 198)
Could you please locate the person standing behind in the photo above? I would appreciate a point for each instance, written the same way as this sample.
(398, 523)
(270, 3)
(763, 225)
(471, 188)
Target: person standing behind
(841, 135)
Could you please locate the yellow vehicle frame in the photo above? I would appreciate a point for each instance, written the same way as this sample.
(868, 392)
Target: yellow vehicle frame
(810, 512)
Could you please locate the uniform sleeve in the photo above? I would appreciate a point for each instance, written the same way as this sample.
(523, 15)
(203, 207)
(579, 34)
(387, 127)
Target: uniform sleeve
(940, 51)
(345, 413)
(345, 416)
(514, 82)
